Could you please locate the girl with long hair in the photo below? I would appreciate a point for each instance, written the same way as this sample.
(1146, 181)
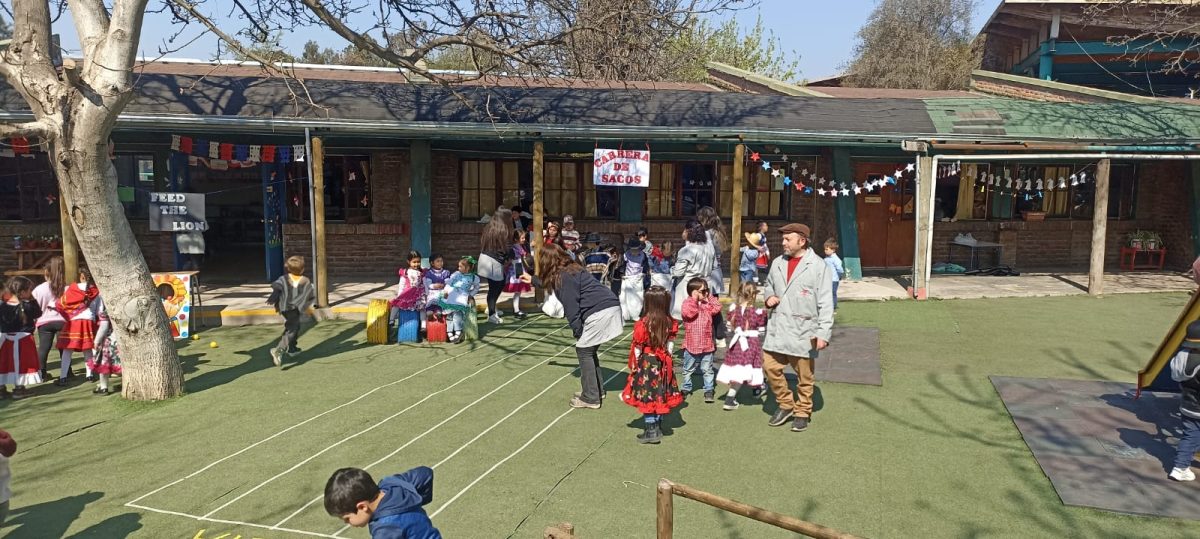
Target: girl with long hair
(51, 321)
(516, 269)
(714, 232)
(651, 387)
(495, 252)
(694, 259)
(743, 361)
(18, 354)
(591, 309)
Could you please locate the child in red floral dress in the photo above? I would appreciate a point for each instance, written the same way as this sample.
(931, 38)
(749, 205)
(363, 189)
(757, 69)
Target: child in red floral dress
(651, 387)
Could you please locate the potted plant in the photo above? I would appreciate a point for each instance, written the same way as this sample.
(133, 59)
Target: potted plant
(56, 242)
(1135, 239)
(1152, 240)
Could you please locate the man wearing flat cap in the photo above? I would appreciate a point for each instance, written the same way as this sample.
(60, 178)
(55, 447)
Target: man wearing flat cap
(799, 292)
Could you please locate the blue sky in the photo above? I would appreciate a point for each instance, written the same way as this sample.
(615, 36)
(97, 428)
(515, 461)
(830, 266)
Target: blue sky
(820, 31)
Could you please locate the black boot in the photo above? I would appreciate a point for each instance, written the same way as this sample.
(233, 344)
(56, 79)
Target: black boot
(652, 435)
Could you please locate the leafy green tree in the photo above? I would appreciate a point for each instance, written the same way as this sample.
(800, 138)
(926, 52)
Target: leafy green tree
(755, 49)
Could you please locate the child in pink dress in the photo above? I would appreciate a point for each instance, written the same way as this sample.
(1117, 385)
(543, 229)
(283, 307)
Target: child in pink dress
(743, 359)
(411, 293)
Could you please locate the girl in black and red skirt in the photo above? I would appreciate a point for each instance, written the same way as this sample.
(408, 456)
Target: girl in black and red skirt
(652, 388)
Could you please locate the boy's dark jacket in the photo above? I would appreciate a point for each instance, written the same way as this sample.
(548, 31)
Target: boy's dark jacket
(1190, 389)
(399, 514)
(285, 297)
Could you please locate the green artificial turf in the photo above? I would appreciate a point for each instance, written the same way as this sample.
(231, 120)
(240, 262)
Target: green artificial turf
(932, 453)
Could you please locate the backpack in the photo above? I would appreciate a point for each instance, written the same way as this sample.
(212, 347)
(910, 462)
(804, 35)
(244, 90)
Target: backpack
(1179, 371)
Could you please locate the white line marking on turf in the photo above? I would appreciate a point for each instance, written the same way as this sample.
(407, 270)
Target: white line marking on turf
(511, 455)
(375, 426)
(447, 420)
(230, 522)
(331, 410)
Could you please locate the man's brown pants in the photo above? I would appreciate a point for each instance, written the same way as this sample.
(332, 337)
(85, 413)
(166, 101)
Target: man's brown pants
(773, 365)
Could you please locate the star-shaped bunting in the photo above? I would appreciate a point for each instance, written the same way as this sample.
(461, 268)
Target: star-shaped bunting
(775, 173)
(754, 156)
(766, 165)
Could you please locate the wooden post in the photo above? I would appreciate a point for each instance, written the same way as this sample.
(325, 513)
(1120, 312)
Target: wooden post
(922, 248)
(318, 203)
(735, 217)
(1099, 229)
(786, 522)
(666, 510)
(70, 244)
(539, 208)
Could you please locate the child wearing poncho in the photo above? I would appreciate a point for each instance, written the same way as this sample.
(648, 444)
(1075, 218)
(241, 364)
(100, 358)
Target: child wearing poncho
(79, 334)
(458, 298)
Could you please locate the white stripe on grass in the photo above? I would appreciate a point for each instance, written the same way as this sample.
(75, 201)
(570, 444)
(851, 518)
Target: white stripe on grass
(472, 440)
(506, 459)
(322, 414)
(372, 427)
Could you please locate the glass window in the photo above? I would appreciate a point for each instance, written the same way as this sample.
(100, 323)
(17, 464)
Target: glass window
(660, 196)
(347, 189)
(567, 188)
(27, 188)
(1122, 190)
(697, 183)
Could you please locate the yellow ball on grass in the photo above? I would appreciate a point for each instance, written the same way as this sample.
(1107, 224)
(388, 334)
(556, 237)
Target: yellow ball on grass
(212, 344)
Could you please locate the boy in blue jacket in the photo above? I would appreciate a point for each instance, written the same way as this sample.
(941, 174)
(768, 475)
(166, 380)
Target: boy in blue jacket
(392, 508)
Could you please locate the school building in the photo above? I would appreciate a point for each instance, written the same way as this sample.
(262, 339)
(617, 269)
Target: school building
(410, 165)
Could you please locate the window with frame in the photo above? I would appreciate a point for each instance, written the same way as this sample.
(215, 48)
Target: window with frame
(766, 196)
(660, 195)
(27, 188)
(347, 189)
(567, 188)
(135, 181)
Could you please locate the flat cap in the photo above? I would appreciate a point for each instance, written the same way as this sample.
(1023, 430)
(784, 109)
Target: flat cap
(795, 228)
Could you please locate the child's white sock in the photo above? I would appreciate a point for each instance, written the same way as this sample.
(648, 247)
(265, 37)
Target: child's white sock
(65, 366)
(87, 358)
(85, 366)
(516, 303)
(103, 381)
(733, 389)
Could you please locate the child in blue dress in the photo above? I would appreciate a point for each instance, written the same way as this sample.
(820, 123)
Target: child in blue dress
(457, 299)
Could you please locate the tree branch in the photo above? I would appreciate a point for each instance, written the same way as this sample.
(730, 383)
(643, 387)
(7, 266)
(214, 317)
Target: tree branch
(38, 129)
(27, 64)
(91, 23)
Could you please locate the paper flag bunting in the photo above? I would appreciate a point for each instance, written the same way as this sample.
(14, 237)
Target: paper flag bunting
(255, 152)
(1008, 182)
(754, 156)
(364, 200)
(214, 150)
(1039, 184)
(175, 142)
(298, 153)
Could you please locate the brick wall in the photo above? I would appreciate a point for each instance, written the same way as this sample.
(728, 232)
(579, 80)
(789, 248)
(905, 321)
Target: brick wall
(158, 248)
(1033, 93)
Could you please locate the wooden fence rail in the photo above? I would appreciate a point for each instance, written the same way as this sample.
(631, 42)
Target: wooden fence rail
(666, 513)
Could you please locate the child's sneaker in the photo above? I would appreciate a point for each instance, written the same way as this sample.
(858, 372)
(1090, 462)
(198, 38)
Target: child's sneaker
(277, 356)
(710, 396)
(731, 403)
(1183, 474)
(495, 319)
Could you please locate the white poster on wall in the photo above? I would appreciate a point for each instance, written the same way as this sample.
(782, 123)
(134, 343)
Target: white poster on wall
(621, 168)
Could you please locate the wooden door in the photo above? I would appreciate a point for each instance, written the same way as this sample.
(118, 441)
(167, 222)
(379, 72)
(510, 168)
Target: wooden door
(885, 218)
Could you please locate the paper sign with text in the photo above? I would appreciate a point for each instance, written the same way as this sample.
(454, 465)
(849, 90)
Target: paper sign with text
(621, 168)
(177, 212)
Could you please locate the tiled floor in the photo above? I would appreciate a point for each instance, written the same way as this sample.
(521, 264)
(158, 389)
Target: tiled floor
(1099, 446)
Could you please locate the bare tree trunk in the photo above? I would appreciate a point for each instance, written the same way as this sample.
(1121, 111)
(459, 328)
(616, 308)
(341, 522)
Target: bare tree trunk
(151, 365)
(75, 111)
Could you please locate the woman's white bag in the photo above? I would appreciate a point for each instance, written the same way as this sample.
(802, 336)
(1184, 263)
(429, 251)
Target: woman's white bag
(552, 307)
